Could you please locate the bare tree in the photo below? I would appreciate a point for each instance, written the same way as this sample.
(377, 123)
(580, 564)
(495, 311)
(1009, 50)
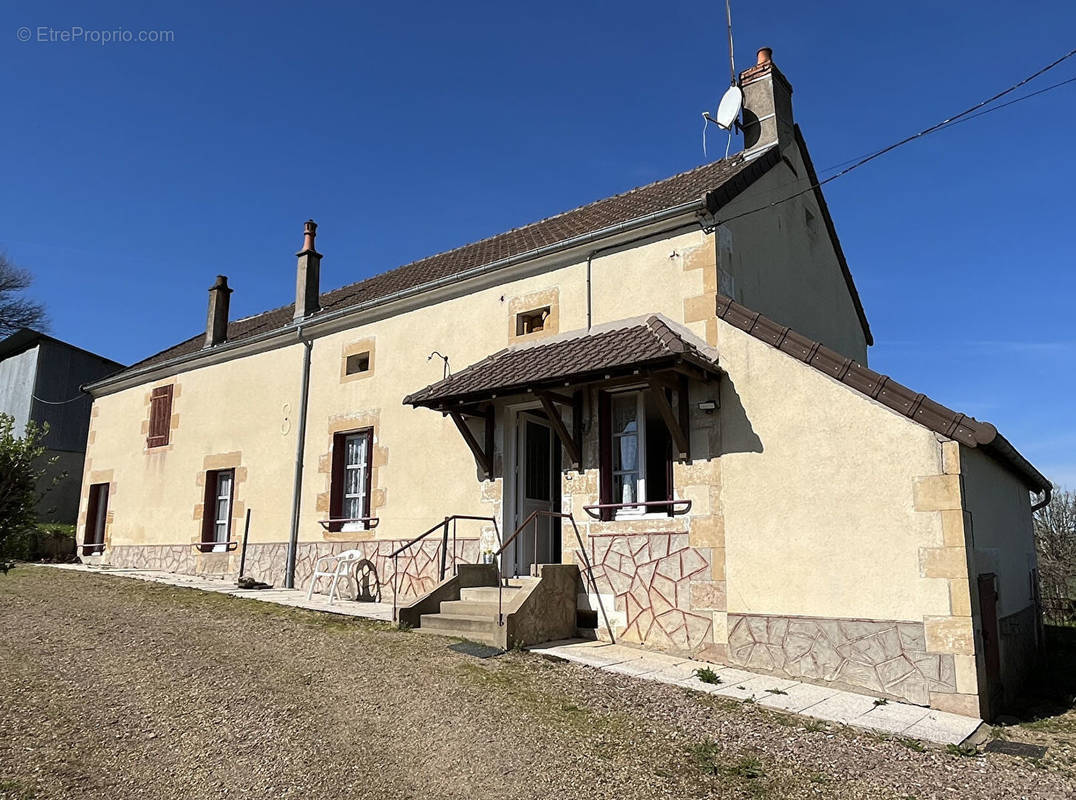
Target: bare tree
(1055, 540)
(17, 311)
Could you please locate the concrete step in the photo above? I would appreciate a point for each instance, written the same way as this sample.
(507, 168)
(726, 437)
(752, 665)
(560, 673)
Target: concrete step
(472, 608)
(439, 623)
(488, 594)
(482, 637)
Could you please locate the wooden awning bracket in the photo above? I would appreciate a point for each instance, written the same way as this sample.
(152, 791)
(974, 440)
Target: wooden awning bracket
(572, 442)
(677, 423)
(483, 452)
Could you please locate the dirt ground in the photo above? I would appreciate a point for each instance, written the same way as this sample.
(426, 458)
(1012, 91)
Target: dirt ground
(115, 688)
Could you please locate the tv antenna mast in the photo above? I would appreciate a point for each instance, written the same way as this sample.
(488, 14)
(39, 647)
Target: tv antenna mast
(728, 110)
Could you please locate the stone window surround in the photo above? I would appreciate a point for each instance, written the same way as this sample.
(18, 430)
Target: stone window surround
(379, 455)
(532, 302)
(215, 463)
(173, 423)
(92, 477)
(355, 348)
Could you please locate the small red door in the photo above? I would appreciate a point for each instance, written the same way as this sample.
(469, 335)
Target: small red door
(988, 613)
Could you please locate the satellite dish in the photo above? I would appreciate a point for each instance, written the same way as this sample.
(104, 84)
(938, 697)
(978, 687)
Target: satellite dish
(729, 108)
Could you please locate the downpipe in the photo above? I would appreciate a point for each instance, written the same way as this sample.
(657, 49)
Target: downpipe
(300, 445)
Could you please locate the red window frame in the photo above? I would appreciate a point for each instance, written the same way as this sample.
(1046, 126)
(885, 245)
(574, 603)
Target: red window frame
(336, 483)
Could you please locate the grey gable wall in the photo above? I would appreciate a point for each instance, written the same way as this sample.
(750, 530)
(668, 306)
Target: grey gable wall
(17, 375)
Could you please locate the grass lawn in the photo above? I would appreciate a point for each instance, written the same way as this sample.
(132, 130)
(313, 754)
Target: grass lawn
(115, 688)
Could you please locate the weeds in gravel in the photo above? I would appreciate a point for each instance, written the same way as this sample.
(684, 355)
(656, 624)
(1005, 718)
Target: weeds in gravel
(815, 726)
(707, 675)
(707, 757)
(13, 790)
(963, 750)
(912, 744)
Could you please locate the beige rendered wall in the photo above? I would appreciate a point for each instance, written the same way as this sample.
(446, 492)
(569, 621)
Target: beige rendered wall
(785, 268)
(817, 493)
(246, 410)
(241, 414)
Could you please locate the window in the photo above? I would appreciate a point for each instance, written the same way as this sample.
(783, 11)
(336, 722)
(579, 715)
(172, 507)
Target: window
(359, 362)
(636, 453)
(96, 516)
(160, 416)
(350, 490)
(217, 510)
(531, 321)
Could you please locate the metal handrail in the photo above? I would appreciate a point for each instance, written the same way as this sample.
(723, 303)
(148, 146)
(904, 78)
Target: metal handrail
(229, 546)
(443, 525)
(582, 551)
(370, 522)
(669, 504)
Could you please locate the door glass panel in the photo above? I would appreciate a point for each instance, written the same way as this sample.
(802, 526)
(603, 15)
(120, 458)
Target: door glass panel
(626, 448)
(539, 465)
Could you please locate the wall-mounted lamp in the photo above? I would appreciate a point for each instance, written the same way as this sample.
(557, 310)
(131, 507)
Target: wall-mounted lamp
(708, 406)
(446, 371)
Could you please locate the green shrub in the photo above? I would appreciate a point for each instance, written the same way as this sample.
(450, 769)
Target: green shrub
(47, 541)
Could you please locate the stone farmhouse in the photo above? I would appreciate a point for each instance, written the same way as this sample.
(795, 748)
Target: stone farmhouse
(634, 399)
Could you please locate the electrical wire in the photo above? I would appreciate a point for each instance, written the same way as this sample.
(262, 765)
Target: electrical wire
(970, 117)
(59, 402)
(968, 113)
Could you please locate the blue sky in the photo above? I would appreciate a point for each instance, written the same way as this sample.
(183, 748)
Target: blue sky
(134, 173)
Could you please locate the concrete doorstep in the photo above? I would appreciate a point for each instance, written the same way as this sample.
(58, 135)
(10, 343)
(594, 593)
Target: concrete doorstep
(782, 694)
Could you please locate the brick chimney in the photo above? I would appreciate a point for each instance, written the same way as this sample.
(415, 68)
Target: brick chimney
(767, 105)
(216, 325)
(307, 280)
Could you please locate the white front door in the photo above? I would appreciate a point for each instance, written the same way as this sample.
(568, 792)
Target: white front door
(535, 491)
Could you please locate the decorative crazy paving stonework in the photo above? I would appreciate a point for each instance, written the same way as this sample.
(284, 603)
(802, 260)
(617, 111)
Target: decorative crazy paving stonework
(163, 557)
(885, 657)
(419, 566)
(650, 576)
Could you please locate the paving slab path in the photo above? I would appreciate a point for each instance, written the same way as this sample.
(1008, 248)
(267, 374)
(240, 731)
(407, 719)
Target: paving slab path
(820, 702)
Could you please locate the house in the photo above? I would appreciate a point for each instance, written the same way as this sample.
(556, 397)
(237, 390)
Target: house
(40, 382)
(633, 394)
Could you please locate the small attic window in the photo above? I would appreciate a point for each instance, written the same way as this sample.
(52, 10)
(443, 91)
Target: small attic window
(531, 321)
(359, 362)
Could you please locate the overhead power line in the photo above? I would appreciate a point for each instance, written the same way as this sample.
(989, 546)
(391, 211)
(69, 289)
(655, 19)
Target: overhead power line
(963, 116)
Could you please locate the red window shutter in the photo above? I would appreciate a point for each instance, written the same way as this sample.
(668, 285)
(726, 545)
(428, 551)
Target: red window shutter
(605, 453)
(160, 416)
(336, 482)
(209, 507)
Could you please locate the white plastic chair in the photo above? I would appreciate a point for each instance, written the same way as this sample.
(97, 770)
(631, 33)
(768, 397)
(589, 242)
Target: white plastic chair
(343, 563)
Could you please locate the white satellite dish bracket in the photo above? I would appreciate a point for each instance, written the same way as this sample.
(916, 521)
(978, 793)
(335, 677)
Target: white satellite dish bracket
(728, 110)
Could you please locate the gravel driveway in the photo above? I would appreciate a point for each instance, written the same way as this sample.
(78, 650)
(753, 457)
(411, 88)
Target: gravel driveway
(114, 688)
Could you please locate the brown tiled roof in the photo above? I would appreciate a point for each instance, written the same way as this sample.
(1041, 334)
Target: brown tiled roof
(917, 407)
(713, 184)
(649, 344)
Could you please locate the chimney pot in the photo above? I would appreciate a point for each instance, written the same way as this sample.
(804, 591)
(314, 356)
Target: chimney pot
(216, 326)
(307, 279)
(765, 55)
(310, 230)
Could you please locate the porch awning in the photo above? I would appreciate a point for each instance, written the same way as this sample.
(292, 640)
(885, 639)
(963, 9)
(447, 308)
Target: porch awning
(634, 348)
